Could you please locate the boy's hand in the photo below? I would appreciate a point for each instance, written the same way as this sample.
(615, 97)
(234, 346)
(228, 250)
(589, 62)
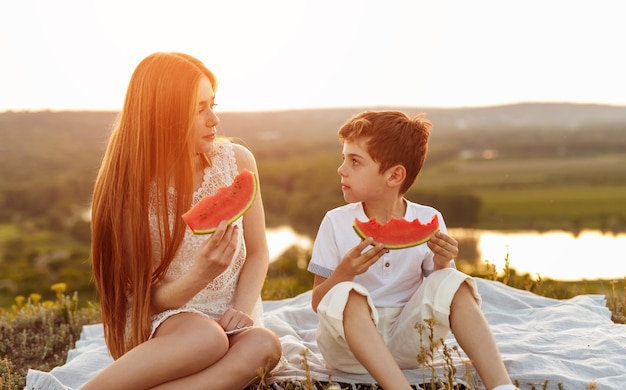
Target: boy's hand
(355, 262)
(445, 249)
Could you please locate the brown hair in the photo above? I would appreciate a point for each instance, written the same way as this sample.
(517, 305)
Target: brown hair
(151, 146)
(391, 138)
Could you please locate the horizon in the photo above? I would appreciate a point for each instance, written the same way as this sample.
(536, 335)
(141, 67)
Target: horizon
(382, 107)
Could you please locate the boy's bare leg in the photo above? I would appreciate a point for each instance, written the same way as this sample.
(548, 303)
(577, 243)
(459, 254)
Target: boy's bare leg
(368, 346)
(472, 332)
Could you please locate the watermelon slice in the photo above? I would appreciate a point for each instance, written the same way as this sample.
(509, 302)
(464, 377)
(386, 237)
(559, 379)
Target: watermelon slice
(227, 204)
(398, 233)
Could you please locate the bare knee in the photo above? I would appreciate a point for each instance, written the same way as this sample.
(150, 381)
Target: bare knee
(210, 342)
(263, 348)
(205, 341)
(194, 342)
(464, 295)
(357, 311)
(264, 340)
(356, 303)
(464, 304)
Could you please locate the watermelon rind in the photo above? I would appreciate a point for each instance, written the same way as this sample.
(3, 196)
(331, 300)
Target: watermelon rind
(377, 231)
(192, 219)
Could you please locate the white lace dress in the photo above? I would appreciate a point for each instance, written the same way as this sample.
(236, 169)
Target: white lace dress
(217, 296)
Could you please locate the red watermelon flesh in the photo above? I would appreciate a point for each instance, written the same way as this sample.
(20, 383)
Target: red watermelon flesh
(227, 204)
(398, 233)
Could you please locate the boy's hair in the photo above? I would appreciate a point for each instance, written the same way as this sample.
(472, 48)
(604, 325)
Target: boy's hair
(391, 138)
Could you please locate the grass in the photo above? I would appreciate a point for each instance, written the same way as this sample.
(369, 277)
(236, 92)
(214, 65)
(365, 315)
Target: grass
(38, 334)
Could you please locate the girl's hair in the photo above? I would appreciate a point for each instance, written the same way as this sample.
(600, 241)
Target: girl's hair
(391, 138)
(150, 149)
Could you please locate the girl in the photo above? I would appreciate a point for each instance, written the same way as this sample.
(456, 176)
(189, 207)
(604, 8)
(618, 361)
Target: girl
(179, 310)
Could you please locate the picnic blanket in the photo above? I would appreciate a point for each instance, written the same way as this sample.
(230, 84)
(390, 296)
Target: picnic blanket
(545, 343)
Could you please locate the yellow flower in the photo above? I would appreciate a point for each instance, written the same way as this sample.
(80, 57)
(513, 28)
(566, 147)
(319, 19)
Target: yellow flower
(35, 298)
(19, 300)
(59, 288)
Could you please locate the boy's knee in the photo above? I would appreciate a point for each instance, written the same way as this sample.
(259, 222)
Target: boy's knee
(356, 303)
(465, 293)
(354, 296)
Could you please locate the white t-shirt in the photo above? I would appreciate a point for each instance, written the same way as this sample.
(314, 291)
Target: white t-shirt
(395, 277)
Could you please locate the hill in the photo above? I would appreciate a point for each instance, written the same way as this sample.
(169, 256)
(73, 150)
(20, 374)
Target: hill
(526, 166)
(315, 123)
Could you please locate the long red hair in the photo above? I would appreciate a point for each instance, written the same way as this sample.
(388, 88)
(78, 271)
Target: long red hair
(151, 145)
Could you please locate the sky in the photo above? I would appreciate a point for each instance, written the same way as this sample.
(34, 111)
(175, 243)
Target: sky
(288, 54)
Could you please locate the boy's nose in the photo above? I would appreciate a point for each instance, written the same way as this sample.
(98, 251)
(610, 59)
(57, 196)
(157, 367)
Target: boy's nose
(340, 170)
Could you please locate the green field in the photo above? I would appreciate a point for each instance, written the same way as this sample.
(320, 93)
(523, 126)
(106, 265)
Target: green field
(579, 207)
(522, 172)
(565, 193)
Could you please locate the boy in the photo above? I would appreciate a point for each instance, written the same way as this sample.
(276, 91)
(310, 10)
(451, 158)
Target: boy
(368, 300)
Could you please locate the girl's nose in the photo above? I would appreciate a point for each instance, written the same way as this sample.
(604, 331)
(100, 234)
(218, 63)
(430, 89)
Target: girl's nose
(212, 120)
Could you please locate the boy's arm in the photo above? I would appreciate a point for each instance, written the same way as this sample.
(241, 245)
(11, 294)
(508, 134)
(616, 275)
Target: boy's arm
(319, 290)
(354, 263)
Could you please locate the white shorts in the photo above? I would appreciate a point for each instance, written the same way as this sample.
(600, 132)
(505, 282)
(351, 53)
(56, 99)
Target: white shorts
(397, 325)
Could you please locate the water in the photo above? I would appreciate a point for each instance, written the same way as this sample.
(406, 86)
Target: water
(554, 254)
(282, 238)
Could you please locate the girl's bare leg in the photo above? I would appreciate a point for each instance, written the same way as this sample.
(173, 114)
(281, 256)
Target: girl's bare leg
(374, 354)
(183, 345)
(472, 332)
(252, 353)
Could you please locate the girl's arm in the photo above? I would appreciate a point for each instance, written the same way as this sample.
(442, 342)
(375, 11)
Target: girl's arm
(256, 265)
(212, 258)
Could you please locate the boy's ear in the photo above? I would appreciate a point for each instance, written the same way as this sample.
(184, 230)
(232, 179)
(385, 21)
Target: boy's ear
(396, 175)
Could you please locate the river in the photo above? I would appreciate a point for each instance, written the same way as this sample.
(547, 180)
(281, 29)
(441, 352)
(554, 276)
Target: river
(556, 255)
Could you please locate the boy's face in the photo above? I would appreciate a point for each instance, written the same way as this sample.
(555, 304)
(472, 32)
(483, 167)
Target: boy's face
(361, 179)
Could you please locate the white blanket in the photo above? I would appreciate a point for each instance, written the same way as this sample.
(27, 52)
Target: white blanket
(568, 343)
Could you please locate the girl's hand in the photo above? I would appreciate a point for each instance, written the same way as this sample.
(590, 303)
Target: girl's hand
(234, 319)
(445, 249)
(216, 253)
(356, 262)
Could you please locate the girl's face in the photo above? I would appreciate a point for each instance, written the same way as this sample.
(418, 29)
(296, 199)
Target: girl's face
(361, 179)
(204, 126)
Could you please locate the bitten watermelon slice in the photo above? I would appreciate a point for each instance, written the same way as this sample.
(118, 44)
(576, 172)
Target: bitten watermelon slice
(227, 204)
(398, 233)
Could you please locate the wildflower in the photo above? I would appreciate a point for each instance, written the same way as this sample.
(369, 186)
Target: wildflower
(47, 304)
(59, 288)
(19, 300)
(35, 298)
